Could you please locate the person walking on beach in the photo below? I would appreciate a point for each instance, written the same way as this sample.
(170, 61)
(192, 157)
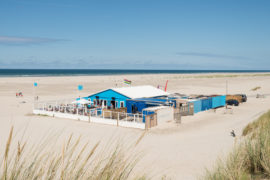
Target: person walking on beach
(233, 133)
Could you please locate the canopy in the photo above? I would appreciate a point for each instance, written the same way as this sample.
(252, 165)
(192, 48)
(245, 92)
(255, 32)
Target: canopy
(81, 101)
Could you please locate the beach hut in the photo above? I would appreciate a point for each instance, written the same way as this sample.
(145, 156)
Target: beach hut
(117, 97)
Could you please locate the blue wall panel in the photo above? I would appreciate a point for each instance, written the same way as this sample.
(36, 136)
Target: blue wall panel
(206, 104)
(139, 105)
(197, 105)
(218, 101)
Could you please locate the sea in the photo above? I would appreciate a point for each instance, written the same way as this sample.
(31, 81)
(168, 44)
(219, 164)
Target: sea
(94, 72)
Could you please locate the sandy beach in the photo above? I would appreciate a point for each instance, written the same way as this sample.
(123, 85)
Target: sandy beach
(177, 151)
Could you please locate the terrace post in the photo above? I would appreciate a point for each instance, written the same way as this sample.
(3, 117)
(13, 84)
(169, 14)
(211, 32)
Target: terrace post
(89, 117)
(118, 119)
(146, 122)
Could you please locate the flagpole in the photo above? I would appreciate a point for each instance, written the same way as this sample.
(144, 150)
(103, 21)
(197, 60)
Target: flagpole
(34, 94)
(33, 97)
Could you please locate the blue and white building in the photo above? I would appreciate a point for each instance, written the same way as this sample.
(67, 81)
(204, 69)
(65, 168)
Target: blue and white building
(116, 97)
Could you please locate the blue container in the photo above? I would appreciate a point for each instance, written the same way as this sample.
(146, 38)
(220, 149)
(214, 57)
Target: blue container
(218, 101)
(197, 105)
(206, 104)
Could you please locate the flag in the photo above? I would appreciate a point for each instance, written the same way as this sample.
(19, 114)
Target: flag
(127, 81)
(80, 87)
(35, 84)
(166, 86)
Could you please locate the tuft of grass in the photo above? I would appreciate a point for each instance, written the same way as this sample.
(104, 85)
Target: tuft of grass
(250, 159)
(73, 160)
(258, 125)
(256, 88)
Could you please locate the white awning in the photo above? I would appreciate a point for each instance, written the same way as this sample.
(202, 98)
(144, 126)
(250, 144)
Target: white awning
(81, 101)
(140, 91)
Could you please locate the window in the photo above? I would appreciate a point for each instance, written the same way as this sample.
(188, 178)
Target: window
(116, 104)
(122, 104)
(97, 99)
(100, 102)
(105, 103)
(133, 108)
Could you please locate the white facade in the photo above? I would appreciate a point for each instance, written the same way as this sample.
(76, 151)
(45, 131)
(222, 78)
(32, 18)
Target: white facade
(164, 113)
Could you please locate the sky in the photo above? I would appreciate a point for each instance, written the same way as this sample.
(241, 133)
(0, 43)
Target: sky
(135, 34)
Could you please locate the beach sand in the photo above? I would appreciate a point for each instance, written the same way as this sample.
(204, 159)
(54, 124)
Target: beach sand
(177, 151)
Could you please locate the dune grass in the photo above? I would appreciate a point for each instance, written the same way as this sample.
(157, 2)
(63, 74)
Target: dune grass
(260, 124)
(73, 161)
(250, 159)
(256, 88)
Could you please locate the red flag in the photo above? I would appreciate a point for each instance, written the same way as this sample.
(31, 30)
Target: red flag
(166, 85)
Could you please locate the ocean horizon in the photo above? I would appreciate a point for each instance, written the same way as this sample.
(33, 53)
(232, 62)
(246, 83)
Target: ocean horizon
(95, 72)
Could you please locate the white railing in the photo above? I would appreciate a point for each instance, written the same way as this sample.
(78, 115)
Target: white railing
(93, 114)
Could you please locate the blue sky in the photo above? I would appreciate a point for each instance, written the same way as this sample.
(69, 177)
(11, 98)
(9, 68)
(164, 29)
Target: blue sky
(135, 34)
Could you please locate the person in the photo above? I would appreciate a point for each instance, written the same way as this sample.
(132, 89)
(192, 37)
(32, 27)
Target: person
(233, 133)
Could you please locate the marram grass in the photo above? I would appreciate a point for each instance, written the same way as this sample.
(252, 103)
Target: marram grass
(250, 159)
(71, 162)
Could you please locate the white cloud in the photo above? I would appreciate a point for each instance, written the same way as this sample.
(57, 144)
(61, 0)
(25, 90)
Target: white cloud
(12, 40)
(212, 55)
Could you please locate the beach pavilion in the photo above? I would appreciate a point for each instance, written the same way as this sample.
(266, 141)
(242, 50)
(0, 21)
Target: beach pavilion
(116, 97)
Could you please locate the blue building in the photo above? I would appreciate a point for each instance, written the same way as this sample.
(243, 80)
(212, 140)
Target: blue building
(117, 97)
(137, 105)
(206, 103)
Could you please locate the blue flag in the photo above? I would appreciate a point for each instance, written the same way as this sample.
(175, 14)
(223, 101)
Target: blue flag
(35, 84)
(80, 87)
